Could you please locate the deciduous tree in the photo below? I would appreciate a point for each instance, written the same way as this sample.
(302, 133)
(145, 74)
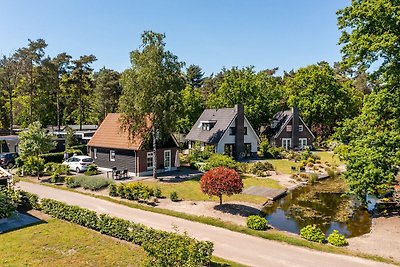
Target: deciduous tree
(35, 141)
(151, 88)
(221, 181)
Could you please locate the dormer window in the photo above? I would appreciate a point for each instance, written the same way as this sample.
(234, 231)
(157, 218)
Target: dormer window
(288, 128)
(207, 125)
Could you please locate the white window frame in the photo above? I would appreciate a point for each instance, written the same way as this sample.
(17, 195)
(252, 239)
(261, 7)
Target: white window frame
(289, 128)
(301, 128)
(167, 166)
(287, 143)
(112, 155)
(302, 143)
(95, 153)
(149, 156)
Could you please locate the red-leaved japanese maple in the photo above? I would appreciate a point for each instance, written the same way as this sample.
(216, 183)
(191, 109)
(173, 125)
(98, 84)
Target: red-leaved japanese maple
(221, 181)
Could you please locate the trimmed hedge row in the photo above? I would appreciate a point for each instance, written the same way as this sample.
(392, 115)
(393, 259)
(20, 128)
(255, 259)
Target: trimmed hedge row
(164, 248)
(58, 157)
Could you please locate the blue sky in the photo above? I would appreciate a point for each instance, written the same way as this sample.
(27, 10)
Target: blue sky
(212, 34)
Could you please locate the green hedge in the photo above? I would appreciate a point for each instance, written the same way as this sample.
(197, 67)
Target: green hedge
(82, 148)
(58, 157)
(164, 248)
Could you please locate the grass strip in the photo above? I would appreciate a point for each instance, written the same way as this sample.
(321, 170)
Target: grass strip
(269, 234)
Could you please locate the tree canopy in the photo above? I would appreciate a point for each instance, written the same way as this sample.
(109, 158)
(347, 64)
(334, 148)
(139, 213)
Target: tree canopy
(151, 89)
(35, 141)
(370, 37)
(323, 97)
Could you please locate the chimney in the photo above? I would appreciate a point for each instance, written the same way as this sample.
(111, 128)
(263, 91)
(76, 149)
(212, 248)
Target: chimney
(239, 137)
(295, 128)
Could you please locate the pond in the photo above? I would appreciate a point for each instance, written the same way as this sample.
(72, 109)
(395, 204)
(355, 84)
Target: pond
(323, 204)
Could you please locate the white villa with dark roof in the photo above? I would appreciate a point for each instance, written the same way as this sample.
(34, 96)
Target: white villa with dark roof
(228, 130)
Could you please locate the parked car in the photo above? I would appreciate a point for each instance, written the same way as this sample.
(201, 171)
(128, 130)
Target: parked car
(78, 163)
(7, 160)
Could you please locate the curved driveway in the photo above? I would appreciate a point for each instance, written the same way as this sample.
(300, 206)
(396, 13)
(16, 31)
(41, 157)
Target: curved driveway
(241, 248)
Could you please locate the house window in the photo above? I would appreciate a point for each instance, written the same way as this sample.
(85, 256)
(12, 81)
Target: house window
(245, 131)
(112, 155)
(247, 150)
(300, 128)
(95, 153)
(286, 143)
(288, 128)
(207, 126)
(149, 160)
(229, 149)
(232, 130)
(167, 159)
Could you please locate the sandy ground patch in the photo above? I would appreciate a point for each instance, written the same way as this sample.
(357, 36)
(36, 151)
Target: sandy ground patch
(234, 212)
(383, 240)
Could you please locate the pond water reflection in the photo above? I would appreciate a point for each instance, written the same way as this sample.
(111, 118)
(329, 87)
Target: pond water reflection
(323, 204)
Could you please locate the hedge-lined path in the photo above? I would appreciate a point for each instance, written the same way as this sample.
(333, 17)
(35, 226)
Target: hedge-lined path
(241, 248)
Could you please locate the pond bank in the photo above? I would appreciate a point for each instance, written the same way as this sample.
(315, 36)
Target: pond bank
(383, 240)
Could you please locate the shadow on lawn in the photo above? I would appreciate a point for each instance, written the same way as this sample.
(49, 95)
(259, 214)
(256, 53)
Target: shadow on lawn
(237, 209)
(18, 221)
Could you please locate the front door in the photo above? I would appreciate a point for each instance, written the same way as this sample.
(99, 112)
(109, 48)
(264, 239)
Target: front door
(167, 159)
(286, 143)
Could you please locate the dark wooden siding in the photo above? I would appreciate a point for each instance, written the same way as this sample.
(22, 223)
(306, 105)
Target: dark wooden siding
(284, 134)
(124, 159)
(160, 158)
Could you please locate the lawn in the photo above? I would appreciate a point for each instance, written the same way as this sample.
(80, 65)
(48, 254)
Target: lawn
(59, 243)
(190, 189)
(283, 166)
(329, 157)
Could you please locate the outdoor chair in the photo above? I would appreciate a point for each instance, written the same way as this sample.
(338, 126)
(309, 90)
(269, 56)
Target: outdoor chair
(125, 173)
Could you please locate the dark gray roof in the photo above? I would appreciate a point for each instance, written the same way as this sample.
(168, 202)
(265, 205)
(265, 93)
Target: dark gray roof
(222, 117)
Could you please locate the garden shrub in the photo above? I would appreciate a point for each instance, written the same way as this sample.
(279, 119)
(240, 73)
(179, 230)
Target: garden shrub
(88, 182)
(337, 239)
(112, 190)
(173, 196)
(52, 167)
(56, 178)
(312, 233)
(276, 152)
(330, 172)
(218, 160)
(261, 168)
(7, 205)
(312, 178)
(256, 222)
(33, 165)
(157, 192)
(91, 170)
(133, 191)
